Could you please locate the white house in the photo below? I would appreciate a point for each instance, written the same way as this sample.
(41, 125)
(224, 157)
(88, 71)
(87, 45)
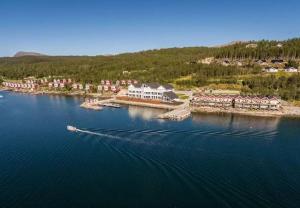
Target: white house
(88, 87)
(106, 87)
(291, 69)
(271, 70)
(207, 60)
(75, 86)
(152, 91)
(50, 85)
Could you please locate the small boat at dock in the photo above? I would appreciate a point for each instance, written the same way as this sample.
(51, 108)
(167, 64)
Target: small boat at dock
(71, 128)
(112, 105)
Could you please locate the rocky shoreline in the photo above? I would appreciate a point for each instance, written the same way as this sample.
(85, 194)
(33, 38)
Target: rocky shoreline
(285, 111)
(62, 93)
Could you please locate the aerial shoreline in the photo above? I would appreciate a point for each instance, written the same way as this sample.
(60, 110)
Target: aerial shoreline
(286, 111)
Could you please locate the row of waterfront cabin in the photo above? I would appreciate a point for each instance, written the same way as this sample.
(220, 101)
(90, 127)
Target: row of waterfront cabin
(56, 85)
(240, 102)
(64, 81)
(112, 88)
(275, 70)
(88, 87)
(263, 103)
(213, 101)
(19, 85)
(106, 85)
(118, 82)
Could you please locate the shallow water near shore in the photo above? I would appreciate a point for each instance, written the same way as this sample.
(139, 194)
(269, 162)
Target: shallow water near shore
(127, 158)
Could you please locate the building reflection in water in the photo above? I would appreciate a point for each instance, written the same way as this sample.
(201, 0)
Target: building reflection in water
(237, 121)
(143, 112)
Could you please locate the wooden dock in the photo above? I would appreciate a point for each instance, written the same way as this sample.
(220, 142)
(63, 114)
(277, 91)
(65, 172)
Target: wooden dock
(90, 106)
(112, 105)
(177, 114)
(99, 104)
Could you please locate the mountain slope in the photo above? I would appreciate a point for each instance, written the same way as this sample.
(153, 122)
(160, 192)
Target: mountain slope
(24, 53)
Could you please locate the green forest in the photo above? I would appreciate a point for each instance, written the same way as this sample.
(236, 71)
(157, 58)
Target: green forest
(179, 66)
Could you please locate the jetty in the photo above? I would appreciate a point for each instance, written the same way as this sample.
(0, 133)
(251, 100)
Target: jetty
(99, 104)
(91, 106)
(177, 114)
(112, 105)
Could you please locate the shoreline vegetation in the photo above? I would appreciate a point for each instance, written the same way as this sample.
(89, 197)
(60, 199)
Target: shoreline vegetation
(287, 110)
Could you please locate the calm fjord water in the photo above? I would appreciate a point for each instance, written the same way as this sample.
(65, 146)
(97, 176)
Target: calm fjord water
(137, 161)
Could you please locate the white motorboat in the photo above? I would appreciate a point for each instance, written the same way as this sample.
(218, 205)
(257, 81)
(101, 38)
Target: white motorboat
(71, 128)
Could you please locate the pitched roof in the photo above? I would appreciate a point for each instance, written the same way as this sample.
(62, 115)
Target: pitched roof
(153, 85)
(168, 86)
(171, 95)
(137, 85)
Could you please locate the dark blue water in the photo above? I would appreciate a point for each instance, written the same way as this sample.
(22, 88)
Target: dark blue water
(138, 161)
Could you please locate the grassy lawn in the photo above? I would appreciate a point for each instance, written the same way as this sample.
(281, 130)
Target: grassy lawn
(182, 96)
(296, 103)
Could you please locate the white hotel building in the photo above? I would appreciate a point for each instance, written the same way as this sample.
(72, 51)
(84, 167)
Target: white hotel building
(152, 91)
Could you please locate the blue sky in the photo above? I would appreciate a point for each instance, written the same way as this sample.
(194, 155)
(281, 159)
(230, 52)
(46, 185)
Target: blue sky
(91, 27)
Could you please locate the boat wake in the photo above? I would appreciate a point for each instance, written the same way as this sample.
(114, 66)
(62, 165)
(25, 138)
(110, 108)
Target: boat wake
(174, 138)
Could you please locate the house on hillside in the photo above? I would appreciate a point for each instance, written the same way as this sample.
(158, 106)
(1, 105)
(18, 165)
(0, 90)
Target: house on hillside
(270, 70)
(226, 63)
(277, 61)
(50, 84)
(238, 63)
(208, 60)
(56, 85)
(114, 88)
(99, 88)
(279, 45)
(75, 86)
(262, 62)
(251, 45)
(88, 87)
(106, 88)
(291, 70)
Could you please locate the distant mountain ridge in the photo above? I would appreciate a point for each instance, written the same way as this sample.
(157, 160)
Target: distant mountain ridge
(24, 53)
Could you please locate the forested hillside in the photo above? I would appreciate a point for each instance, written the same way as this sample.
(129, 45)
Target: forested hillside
(289, 49)
(176, 65)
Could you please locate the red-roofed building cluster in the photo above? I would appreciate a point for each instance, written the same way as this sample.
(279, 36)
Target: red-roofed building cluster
(239, 102)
